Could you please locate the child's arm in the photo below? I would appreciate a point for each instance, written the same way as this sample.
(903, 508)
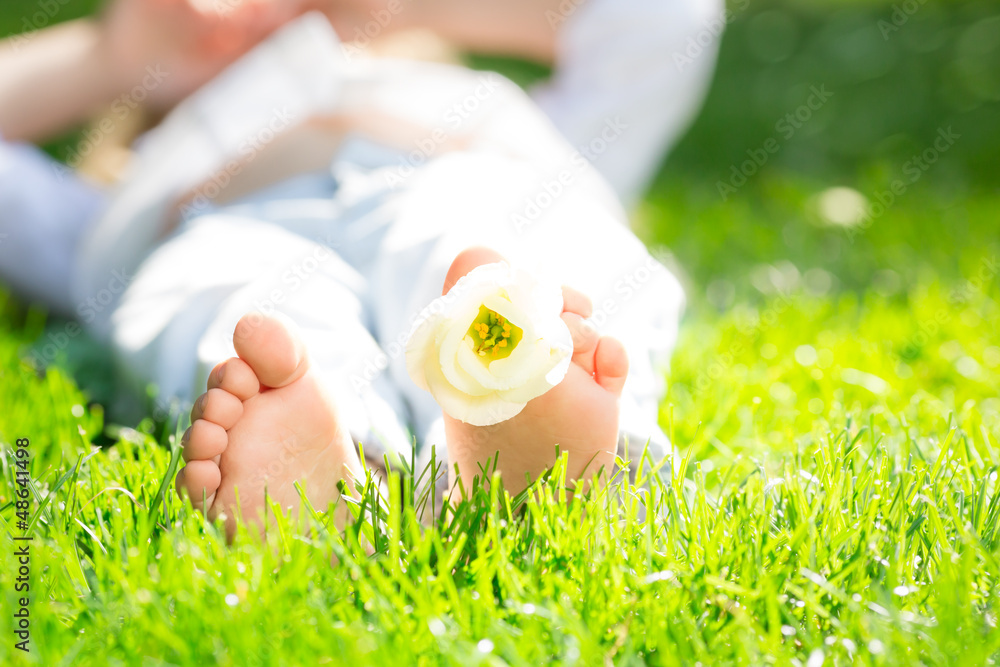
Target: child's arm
(162, 50)
(52, 80)
(524, 28)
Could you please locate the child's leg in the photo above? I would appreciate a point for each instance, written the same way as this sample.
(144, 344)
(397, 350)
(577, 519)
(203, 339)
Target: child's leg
(580, 415)
(176, 320)
(44, 211)
(175, 325)
(521, 189)
(464, 200)
(266, 423)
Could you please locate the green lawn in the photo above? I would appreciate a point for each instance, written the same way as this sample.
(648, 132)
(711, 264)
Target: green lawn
(833, 398)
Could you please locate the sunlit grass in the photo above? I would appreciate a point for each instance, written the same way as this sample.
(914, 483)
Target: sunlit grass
(835, 499)
(833, 401)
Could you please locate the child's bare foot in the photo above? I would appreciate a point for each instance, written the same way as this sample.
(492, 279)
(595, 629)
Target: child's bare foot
(264, 423)
(580, 415)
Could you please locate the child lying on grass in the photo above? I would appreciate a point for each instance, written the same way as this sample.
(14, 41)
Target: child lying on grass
(282, 218)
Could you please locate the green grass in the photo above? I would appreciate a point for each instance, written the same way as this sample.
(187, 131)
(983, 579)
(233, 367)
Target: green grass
(833, 399)
(816, 519)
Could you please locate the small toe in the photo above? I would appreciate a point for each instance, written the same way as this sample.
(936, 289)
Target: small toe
(219, 407)
(611, 364)
(199, 480)
(585, 339)
(204, 440)
(235, 377)
(271, 347)
(575, 301)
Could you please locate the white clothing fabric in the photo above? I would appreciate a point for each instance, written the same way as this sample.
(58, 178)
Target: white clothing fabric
(630, 76)
(354, 252)
(45, 211)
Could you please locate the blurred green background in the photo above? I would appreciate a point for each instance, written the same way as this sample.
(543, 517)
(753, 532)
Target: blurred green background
(892, 91)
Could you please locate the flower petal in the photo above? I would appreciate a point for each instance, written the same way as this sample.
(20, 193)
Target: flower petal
(419, 347)
(475, 410)
(441, 355)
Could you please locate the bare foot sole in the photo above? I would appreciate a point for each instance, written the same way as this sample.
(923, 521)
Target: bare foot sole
(265, 423)
(580, 415)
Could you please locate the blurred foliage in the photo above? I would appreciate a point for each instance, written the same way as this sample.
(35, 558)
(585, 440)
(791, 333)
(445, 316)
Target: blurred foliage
(896, 78)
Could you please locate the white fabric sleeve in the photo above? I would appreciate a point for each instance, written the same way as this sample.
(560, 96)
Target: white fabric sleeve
(629, 78)
(45, 209)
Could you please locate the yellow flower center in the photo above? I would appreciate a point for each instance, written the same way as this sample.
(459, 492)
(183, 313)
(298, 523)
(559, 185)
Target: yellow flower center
(493, 336)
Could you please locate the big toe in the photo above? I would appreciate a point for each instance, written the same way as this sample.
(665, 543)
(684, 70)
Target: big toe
(272, 348)
(467, 260)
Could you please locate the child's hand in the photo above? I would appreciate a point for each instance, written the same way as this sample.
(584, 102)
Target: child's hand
(184, 43)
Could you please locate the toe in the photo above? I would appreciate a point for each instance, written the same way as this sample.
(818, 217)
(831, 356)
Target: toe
(204, 440)
(585, 339)
(234, 376)
(219, 407)
(610, 364)
(575, 301)
(199, 480)
(269, 346)
(466, 261)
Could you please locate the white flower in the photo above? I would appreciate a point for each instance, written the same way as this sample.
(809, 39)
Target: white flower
(491, 344)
